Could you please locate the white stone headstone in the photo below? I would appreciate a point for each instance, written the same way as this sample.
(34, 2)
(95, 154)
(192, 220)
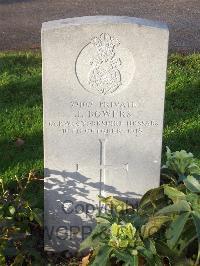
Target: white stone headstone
(103, 92)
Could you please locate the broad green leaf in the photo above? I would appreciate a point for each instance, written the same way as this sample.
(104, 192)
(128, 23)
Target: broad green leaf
(178, 207)
(192, 184)
(164, 251)
(11, 210)
(175, 229)
(38, 216)
(168, 176)
(182, 163)
(173, 193)
(194, 168)
(196, 218)
(173, 256)
(118, 205)
(150, 245)
(149, 256)
(98, 234)
(102, 256)
(104, 218)
(126, 257)
(197, 176)
(157, 260)
(194, 200)
(153, 225)
(148, 201)
(187, 236)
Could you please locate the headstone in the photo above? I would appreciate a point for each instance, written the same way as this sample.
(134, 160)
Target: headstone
(103, 91)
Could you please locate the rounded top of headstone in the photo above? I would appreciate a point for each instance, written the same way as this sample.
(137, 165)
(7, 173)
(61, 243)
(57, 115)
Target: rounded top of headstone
(103, 20)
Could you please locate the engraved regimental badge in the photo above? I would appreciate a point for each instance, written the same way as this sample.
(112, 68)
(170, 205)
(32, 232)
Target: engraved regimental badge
(103, 67)
(104, 76)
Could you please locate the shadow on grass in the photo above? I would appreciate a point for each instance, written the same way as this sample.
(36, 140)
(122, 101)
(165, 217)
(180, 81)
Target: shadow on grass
(182, 114)
(20, 80)
(182, 103)
(19, 160)
(188, 140)
(20, 113)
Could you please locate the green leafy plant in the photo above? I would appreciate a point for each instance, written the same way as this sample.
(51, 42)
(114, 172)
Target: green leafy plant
(21, 235)
(21, 225)
(181, 164)
(165, 226)
(122, 236)
(183, 214)
(117, 239)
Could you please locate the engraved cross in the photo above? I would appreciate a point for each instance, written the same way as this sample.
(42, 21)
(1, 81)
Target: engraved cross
(103, 166)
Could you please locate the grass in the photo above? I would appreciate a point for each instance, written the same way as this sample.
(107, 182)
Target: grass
(182, 107)
(21, 110)
(20, 114)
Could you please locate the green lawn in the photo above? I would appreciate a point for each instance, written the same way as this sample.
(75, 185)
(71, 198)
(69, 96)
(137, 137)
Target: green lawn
(21, 110)
(20, 113)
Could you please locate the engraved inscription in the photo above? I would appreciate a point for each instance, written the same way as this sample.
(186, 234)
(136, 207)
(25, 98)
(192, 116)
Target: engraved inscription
(105, 76)
(103, 118)
(104, 66)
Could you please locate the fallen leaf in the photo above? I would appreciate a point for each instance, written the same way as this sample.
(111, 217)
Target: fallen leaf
(85, 260)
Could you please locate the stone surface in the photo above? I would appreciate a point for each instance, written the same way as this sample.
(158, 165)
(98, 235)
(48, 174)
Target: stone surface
(103, 92)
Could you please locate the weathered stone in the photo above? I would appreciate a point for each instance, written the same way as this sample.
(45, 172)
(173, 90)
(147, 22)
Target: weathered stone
(103, 91)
